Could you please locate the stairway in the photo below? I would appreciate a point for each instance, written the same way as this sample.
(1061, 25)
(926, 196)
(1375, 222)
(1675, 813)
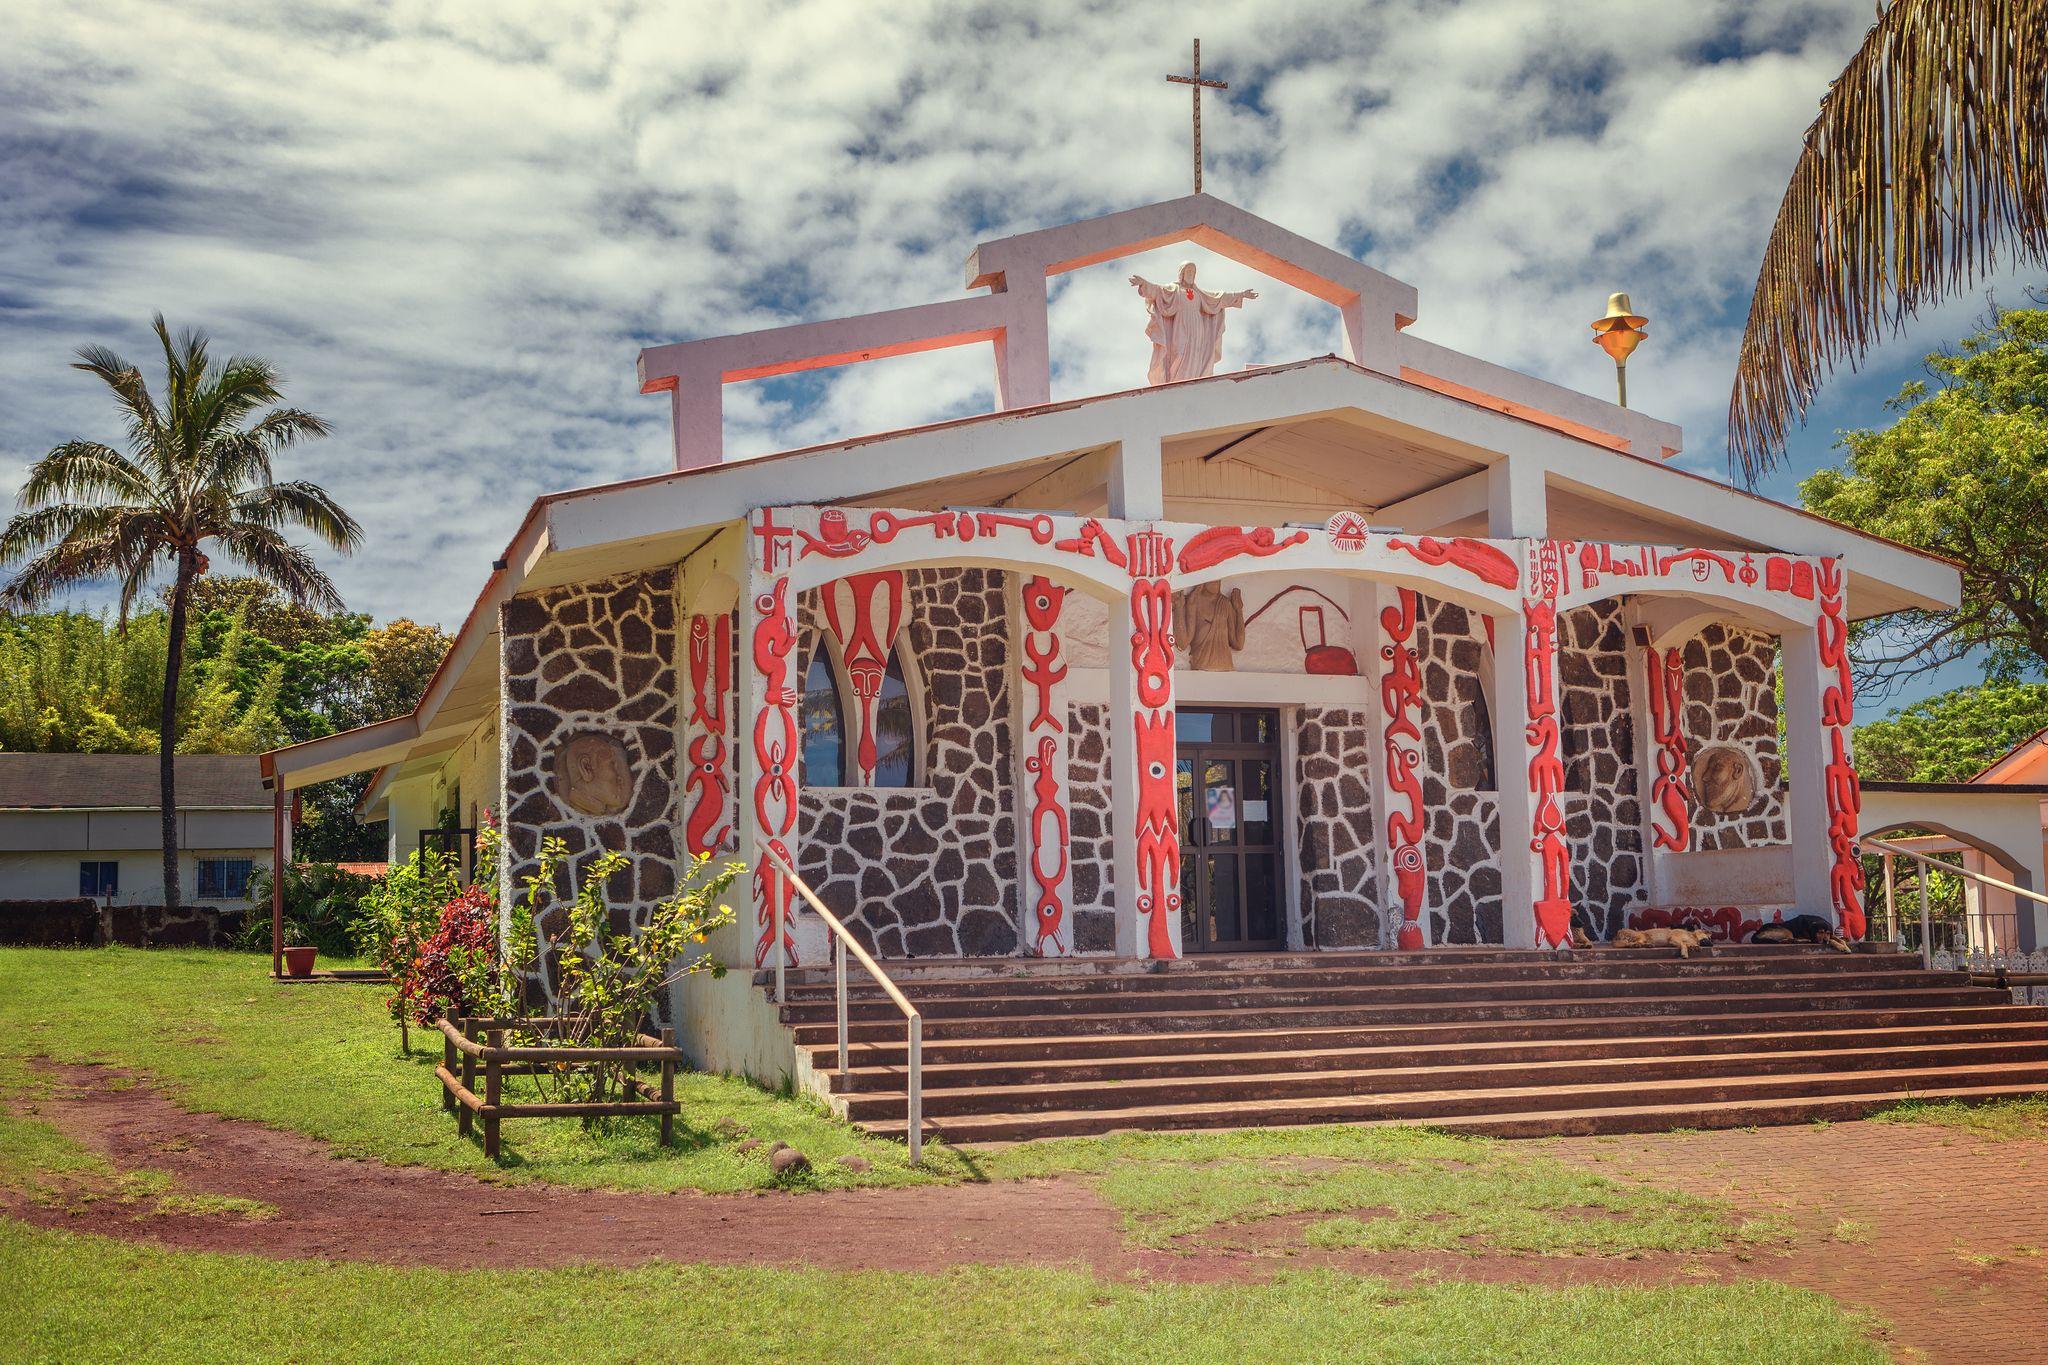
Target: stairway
(1501, 1042)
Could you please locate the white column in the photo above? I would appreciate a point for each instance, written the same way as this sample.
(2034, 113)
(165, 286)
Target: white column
(1517, 500)
(1535, 871)
(1822, 796)
(1142, 753)
(1137, 489)
(1400, 820)
(1042, 745)
(697, 409)
(1024, 349)
(771, 737)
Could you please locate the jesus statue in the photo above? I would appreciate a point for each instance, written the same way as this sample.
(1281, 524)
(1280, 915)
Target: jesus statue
(1186, 329)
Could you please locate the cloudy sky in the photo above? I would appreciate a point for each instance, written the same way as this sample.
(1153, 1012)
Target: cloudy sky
(454, 225)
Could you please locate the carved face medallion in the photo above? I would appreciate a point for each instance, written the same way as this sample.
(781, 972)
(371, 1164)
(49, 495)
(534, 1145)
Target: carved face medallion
(592, 774)
(1724, 780)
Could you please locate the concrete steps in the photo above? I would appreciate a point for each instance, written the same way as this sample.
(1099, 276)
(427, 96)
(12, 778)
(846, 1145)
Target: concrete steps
(1498, 1041)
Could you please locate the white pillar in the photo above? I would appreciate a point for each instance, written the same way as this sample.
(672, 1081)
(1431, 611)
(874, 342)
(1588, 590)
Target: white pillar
(768, 718)
(697, 410)
(1822, 796)
(1137, 488)
(1517, 500)
(1042, 745)
(1142, 754)
(1024, 348)
(1535, 872)
(1395, 759)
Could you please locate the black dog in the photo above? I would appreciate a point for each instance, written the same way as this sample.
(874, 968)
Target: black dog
(1802, 929)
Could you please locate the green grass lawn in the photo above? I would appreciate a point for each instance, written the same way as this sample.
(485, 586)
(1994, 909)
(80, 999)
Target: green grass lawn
(324, 1060)
(2020, 1117)
(75, 1297)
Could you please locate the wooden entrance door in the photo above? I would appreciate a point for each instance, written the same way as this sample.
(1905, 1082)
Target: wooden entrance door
(1228, 782)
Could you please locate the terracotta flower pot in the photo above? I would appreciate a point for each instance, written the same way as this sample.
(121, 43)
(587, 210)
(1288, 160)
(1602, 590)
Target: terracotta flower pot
(299, 961)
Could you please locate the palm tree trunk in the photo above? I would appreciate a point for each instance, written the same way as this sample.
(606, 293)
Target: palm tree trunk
(167, 728)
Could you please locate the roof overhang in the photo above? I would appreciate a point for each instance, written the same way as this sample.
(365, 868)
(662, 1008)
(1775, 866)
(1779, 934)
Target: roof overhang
(1595, 492)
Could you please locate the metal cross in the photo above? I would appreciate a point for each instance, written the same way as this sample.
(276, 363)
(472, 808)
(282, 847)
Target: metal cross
(1198, 85)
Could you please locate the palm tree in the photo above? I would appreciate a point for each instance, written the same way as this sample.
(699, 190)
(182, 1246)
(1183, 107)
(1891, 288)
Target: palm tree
(1927, 162)
(198, 469)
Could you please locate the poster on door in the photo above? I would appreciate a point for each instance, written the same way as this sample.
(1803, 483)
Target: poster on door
(1222, 807)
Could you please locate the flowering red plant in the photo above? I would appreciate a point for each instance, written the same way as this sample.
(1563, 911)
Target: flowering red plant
(467, 933)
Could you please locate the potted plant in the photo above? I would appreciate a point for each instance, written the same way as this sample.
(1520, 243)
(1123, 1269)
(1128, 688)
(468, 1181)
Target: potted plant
(298, 954)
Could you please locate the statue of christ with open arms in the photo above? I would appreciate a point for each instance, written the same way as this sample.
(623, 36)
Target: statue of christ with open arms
(1186, 329)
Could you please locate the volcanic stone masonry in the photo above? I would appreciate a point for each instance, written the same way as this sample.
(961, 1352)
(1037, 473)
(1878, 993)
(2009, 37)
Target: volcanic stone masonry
(1338, 854)
(593, 659)
(1462, 844)
(1731, 698)
(1603, 801)
(930, 870)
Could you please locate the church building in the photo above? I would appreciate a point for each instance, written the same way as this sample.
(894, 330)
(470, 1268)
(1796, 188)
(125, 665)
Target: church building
(1359, 660)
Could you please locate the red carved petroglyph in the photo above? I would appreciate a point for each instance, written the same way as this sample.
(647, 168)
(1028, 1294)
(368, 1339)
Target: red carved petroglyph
(1488, 563)
(709, 825)
(1664, 674)
(864, 611)
(1219, 543)
(1546, 766)
(775, 759)
(1092, 539)
(1042, 671)
(1348, 532)
(1401, 700)
(1837, 713)
(1152, 721)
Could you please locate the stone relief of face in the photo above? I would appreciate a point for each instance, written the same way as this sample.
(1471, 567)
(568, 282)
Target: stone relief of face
(595, 780)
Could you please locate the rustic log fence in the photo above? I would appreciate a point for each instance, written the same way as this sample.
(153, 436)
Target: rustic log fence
(470, 1045)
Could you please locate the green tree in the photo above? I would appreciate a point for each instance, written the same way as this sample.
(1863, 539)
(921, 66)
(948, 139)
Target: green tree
(1926, 165)
(1950, 738)
(1962, 471)
(197, 472)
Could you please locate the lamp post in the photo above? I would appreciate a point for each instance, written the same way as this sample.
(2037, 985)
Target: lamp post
(1618, 334)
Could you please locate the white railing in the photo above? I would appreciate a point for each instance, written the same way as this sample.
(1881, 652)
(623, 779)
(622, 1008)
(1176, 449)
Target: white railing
(841, 942)
(1979, 941)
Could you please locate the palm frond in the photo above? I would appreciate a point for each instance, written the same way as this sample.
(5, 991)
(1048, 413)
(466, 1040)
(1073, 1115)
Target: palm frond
(298, 503)
(278, 561)
(105, 546)
(1927, 163)
(85, 469)
(145, 422)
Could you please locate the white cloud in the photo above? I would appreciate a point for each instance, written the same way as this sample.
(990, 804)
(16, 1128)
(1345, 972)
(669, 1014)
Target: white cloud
(454, 225)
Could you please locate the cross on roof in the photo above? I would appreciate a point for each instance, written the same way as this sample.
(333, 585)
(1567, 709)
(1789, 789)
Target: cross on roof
(1197, 85)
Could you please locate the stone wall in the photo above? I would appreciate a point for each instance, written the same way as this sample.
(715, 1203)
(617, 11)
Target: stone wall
(84, 922)
(931, 870)
(1462, 846)
(1337, 856)
(1731, 698)
(597, 659)
(1090, 837)
(1603, 804)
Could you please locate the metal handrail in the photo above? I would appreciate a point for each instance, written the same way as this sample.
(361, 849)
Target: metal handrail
(1891, 851)
(842, 939)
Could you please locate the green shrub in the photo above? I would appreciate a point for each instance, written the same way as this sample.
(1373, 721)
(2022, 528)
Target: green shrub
(320, 905)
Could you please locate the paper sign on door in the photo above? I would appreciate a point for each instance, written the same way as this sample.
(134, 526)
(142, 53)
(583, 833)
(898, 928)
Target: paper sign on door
(1222, 807)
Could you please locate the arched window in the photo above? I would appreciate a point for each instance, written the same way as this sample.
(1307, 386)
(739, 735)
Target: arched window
(824, 721)
(895, 729)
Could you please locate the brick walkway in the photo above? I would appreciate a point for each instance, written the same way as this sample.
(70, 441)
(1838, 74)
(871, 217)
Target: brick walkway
(1941, 1232)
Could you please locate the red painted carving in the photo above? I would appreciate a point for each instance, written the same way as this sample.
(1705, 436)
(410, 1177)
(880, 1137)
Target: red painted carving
(1837, 713)
(834, 540)
(886, 526)
(1487, 563)
(1042, 668)
(1546, 766)
(709, 826)
(775, 759)
(1038, 524)
(1703, 562)
(1048, 845)
(1219, 543)
(1158, 831)
(1090, 540)
(1664, 671)
(1042, 671)
(1401, 700)
(864, 611)
(774, 541)
(1348, 532)
(1789, 575)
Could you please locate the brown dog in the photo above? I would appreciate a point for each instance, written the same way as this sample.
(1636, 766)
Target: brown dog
(1685, 940)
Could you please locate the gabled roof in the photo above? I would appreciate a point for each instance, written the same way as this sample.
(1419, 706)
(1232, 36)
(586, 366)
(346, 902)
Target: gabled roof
(129, 782)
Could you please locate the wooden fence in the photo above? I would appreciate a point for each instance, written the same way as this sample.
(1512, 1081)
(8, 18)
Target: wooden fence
(470, 1045)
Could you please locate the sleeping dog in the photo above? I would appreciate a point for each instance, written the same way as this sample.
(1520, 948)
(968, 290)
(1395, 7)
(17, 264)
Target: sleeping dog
(1802, 929)
(1685, 940)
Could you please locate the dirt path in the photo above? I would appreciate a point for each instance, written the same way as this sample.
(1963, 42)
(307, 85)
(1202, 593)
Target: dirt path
(1941, 1232)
